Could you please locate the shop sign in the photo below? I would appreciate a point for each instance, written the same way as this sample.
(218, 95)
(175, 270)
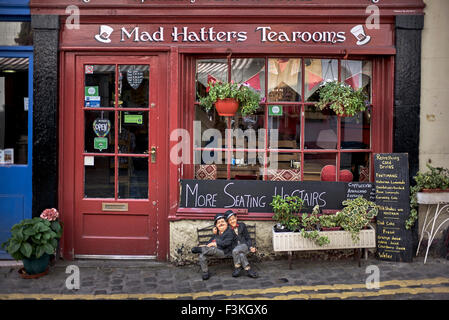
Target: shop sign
(356, 35)
(134, 78)
(394, 242)
(102, 127)
(256, 196)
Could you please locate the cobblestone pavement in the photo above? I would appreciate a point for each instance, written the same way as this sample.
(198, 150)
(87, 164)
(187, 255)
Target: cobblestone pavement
(310, 280)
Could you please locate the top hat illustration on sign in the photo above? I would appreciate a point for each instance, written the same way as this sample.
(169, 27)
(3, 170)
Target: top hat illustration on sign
(359, 34)
(105, 33)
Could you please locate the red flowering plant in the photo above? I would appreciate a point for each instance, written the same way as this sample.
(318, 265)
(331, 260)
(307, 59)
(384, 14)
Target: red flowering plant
(31, 238)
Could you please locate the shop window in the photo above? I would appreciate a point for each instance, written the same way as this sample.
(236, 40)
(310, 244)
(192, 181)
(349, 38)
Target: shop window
(288, 138)
(14, 111)
(16, 33)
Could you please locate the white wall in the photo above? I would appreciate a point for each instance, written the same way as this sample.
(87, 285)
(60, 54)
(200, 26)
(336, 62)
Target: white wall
(434, 136)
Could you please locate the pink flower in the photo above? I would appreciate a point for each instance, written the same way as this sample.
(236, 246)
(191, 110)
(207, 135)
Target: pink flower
(50, 214)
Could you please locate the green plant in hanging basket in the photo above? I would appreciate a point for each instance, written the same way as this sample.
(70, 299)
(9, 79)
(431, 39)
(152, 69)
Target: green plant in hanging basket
(435, 178)
(342, 98)
(247, 97)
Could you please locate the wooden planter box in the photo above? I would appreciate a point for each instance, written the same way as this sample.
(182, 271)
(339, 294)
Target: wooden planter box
(293, 241)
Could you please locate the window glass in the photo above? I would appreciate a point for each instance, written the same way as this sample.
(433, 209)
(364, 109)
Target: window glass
(208, 70)
(15, 33)
(99, 85)
(355, 131)
(357, 74)
(284, 79)
(320, 128)
(287, 121)
(294, 138)
(249, 71)
(133, 86)
(14, 104)
(320, 166)
(318, 71)
(356, 166)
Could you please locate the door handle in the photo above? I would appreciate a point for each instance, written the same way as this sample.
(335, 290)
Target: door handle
(153, 154)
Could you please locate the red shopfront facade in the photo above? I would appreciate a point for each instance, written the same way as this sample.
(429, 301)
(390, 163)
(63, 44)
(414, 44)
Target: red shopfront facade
(130, 78)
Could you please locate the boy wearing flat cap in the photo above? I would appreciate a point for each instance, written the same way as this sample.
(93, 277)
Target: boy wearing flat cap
(244, 245)
(219, 245)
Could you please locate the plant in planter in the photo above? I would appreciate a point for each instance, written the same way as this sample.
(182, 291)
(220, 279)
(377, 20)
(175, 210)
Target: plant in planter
(342, 98)
(356, 215)
(286, 212)
(310, 227)
(34, 240)
(329, 222)
(240, 96)
(436, 179)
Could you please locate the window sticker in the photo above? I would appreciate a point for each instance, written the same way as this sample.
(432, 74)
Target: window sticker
(91, 96)
(275, 110)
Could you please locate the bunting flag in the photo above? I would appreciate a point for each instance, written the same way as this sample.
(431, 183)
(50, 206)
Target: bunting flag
(313, 80)
(254, 81)
(354, 81)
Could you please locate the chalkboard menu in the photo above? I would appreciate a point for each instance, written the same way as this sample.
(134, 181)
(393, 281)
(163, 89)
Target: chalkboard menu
(394, 242)
(256, 196)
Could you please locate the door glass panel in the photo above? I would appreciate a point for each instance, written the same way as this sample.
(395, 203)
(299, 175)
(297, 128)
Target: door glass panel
(99, 131)
(99, 177)
(318, 71)
(13, 111)
(99, 86)
(133, 132)
(284, 79)
(133, 178)
(133, 86)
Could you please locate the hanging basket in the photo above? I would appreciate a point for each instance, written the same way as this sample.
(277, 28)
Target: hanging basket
(227, 107)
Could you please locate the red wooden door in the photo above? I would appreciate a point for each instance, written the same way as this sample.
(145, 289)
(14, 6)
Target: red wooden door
(117, 155)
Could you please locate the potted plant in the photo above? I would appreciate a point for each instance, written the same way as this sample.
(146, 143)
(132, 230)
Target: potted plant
(342, 98)
(34, 240)
(228, 97)
(286, 212)
(434, 180)
(356, 215)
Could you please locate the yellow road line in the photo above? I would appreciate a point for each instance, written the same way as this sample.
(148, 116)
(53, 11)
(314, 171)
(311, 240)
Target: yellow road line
(284, 291)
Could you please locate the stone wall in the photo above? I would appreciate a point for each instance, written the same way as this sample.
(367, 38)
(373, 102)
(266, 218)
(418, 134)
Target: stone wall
(183, 236)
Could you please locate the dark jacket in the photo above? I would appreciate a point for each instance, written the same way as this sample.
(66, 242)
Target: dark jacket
(243, 236)
(225, 241)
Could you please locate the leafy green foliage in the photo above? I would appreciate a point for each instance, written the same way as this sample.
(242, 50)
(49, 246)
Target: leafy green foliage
(435, 178)
(248, 98)
(309, 229)
(356, 215)
(286, 210)
(342, 98)
(31, 238)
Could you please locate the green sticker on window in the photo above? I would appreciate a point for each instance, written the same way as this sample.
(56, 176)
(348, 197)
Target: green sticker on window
(275, 110)
(134, 118)
(100, 143)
